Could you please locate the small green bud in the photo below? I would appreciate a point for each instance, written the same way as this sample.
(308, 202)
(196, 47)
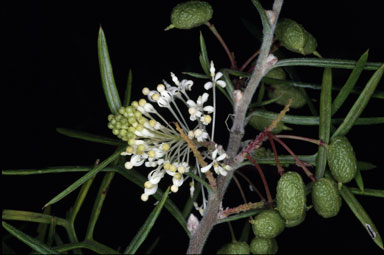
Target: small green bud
(234, 248)
(263, 246)
(268, 224)
(190, 14)
(294, 37)
(341, 159)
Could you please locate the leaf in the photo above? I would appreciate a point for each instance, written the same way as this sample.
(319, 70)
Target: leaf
(325, 121)
(146, 228)
(363, 166)
(314, 120)
(324, 62)
(197, 75)
(139, 180)
(85, 177)
(368, 192)
(360, 103)
(361, 215)
(108, 81)
(128, 89)
(32, 217)
(350, 83)
(28, 240)
(263, 15)
(359, 180)
(89, 137)
(204, 60)
(240, 216)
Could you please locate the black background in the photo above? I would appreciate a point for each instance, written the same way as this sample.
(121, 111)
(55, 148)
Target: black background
(52, 80)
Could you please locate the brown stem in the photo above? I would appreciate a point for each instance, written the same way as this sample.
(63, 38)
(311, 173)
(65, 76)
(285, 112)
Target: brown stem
(252, 185)
(310, 140)
(265, 183)
(222, 42)
(298, 161)
(280, 169)
(249, 60)
(240, 189)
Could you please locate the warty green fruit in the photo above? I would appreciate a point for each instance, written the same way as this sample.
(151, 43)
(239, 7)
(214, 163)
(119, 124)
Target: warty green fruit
(261, 123)
(268, 224)
(234, 248)
(341, 159)
(284, 92)
(190, 14)
(263, 246)
(294, 37)
(277, 73)
(326, 198)
(290, 196)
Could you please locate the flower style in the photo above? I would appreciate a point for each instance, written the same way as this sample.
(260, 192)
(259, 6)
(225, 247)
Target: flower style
(153, 141)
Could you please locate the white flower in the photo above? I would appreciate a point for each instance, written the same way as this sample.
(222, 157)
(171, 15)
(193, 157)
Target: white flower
(200, 135)
(196, 109)
(136, 160)
(215, 78)
(219, 168)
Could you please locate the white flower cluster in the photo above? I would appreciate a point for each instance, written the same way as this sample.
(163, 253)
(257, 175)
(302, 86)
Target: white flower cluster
(153, 140)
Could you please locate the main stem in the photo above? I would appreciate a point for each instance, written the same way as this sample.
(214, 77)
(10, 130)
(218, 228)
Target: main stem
(200, 236)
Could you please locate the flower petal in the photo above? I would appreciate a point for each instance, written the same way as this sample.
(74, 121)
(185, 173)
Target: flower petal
(206, 168)
(208, 85)
(221, 83)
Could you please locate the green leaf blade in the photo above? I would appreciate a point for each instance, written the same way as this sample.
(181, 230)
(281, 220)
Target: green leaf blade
(146, 228)
(89, 137)
(325, 121)
(360, 103)
(35, 244)
(361, 215)
(350, 83)
(85, 177)
(324, 62)
(108, 80)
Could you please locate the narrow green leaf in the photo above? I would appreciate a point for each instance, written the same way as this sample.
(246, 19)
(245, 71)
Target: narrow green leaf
(363, 166)
(361, 215)
(368, 192)
(314, 120)
(350, 83)
(229, 88)
(86, 177)
(360, 103)
(139, 180)
(35, 244)
(200, 180)
(128, 89)
(324, 62)
(325, 121)
(263, 15)
(189, 204)
(204, 60)
(89, 137)
(98, 204)
(197, 75)
(32, 217)
(91, 245)
(359, 180)
(108, 81)
(146, 228)
(42, 228)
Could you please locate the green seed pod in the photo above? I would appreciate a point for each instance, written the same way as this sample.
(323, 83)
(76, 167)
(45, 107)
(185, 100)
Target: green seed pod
(263, 246)
(294, 37)
(234, 248)
(268, 224)
(277, 73)
(284, 92)
(290, 196)
(190, 14)
(325, 198)
(341, 159)
(260, 123)
(295, 222)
